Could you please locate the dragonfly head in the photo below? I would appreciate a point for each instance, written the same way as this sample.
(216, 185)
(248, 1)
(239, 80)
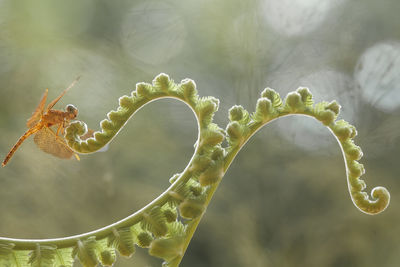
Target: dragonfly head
(72, 111)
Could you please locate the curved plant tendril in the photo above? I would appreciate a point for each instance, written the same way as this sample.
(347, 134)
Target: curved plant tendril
(166, 225)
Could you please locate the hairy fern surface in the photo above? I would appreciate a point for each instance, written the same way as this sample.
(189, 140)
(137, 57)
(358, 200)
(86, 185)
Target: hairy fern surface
(166, 225)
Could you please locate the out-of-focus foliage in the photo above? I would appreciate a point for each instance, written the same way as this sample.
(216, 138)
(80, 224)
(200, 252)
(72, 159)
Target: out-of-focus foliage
(344, 50)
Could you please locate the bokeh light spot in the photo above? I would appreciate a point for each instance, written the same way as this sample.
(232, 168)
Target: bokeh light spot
(296, 17)
(378, 75)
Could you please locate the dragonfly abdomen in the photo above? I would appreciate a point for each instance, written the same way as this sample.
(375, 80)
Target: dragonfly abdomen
(19, 142)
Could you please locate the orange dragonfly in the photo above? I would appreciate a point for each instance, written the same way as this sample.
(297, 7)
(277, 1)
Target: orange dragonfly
(41, 123)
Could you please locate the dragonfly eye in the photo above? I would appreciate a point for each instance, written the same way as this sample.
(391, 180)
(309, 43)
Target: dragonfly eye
(72, 111)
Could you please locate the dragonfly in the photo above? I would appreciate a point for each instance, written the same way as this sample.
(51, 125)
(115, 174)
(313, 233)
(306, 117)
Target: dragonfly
(42, 124)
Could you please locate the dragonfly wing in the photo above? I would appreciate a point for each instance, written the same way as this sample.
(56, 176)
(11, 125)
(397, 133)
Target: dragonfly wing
(52, 103)
(38, 111)
(49, 142)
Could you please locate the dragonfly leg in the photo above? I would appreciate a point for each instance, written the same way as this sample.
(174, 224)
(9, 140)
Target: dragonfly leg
(60, 129)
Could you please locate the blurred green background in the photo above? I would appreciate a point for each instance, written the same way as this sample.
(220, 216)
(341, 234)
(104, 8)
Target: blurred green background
(284, 201)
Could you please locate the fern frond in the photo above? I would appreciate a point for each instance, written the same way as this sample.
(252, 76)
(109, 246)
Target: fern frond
(236, 133)
(123, 240)
(187, 90)
(324, 114)
(213, 173)
(167, 224)
(167, 248)
(306, 97)
(19, 258)
(273, 96)
(212, 136)
(205, 109)
(162, 83)
(192, 208)
(86, 252)
(155, 222)
(170, 215)
(144, 239)
(239, 114)
(64, 257)
(170, 248)
(264, 111)
(106, 252)
(42, 256)
(6, 252)
(178, 194)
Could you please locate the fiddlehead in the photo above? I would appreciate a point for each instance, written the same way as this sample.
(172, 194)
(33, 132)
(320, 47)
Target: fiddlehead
(270, 107)
(166, 225)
